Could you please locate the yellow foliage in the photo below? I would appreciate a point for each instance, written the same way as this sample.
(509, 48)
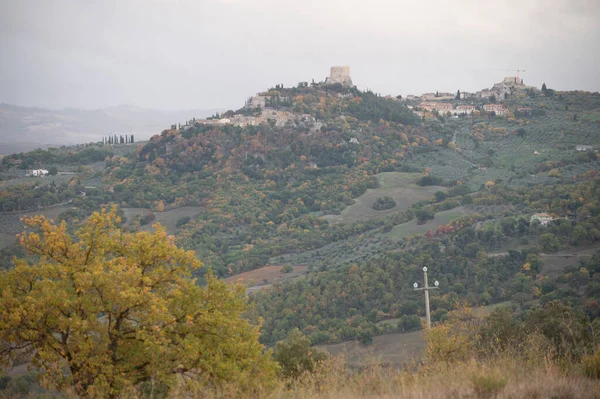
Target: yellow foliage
(104, 310)
(554, 173)
(159, 206)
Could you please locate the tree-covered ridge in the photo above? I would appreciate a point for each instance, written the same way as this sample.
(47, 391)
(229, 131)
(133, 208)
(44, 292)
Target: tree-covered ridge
(337, 304)
(264, 187)
(78, 155)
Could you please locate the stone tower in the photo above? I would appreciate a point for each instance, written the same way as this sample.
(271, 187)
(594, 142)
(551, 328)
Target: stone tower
(340, 74)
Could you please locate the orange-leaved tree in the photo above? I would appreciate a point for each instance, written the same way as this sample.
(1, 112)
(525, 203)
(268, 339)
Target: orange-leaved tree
(103, 311)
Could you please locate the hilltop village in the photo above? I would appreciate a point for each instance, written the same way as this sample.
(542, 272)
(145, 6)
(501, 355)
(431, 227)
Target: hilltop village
(274, 108)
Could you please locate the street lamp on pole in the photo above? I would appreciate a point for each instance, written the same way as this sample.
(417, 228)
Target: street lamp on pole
(426, 288)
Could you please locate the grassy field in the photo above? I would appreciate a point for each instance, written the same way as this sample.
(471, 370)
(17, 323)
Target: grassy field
(400, 186)
(412, 228)
(555, 264)
(394, 348)
(6, 240)
(266, 275)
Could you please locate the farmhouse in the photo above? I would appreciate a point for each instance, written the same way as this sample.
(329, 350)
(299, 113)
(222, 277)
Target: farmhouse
(498, 109)
(543, 218)
(39, 172)
(581, 147)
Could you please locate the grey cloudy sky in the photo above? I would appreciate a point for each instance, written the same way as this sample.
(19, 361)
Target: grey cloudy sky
(174, 54)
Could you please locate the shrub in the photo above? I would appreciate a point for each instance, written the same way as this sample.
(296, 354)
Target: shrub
(423, 216)
(409, 323)
(488, 385)
(383, 203)
(591, 364)
(429, 181)
(287, 269)
(295, 356)
(182, 221)
(365, 337)
(440, 196)
(147, 218)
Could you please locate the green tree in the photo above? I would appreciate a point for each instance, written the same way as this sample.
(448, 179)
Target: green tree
(295, 356)
(105, 310)
(383, 203)
(439, 196)
(423, 216)
(287, 269)
(549, 242)
(568, 329)
(53, 171)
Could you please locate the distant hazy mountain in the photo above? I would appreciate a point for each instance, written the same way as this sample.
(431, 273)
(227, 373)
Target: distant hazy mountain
(27, 128)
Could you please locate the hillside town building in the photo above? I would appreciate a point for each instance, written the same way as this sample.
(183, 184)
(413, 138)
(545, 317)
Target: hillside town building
(465, 109)
(440, 107)
(498, 109)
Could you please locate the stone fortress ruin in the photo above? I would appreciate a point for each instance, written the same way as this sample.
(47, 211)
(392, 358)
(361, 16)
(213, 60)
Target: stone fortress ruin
(339, 74)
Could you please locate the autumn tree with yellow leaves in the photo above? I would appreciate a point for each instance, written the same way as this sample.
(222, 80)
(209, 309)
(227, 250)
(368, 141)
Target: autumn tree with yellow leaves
(105, 310)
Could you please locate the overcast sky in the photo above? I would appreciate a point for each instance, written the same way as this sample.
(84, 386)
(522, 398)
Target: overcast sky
(179, 54)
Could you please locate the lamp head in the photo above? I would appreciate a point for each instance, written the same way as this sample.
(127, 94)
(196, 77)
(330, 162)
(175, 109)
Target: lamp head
(425, 269)
(415, 285)
(436, 283)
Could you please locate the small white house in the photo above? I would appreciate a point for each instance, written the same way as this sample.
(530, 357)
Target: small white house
(543, 218)
(354, 140)
(39, 172)
(580, 147)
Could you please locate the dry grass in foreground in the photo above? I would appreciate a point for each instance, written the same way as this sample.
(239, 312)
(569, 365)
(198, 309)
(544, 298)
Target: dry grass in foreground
(501, 378)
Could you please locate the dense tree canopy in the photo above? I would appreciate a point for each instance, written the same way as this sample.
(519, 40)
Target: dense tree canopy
(106, 310)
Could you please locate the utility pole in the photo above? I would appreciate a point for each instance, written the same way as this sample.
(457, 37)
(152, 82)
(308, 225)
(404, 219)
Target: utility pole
(426, 288)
